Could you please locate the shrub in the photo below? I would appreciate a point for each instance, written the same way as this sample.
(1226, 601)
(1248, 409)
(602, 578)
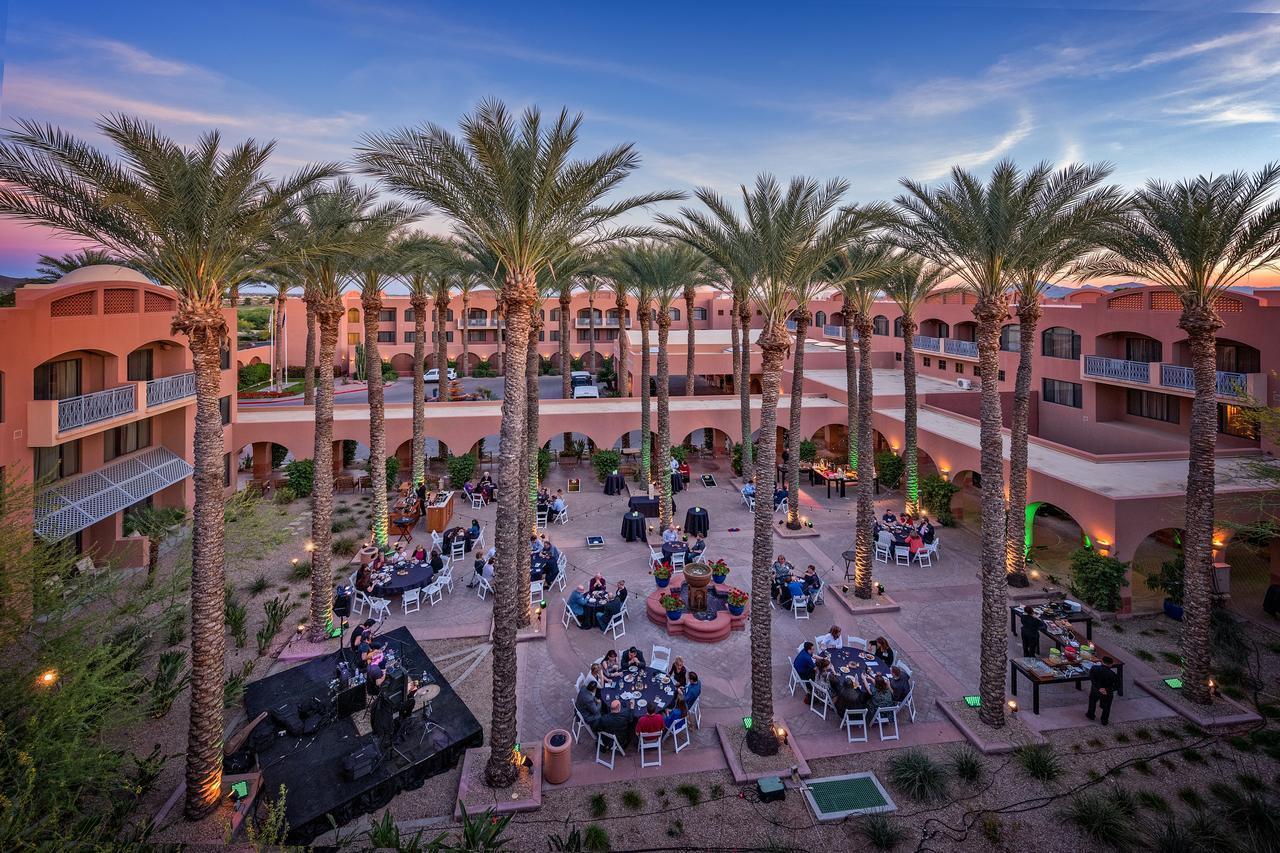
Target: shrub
(808, 450)
(935, 494)
(277, 610)
(633, 799)
(259, 585)
(349, 447)
(1040, 761)
(1096, 579)
(596, 839)
(598, 805)
(240, 505)
(299, 571)
(692, 793)
(300, 475)
(735, 460)
(918, 776)
(680, 453)
(889, 467)
(253, 374)
(1169, 579)
(237, 616)
(966, 763)
(881, 832)
(170, 680)
(389, 373)
(484, 370)
(1104, 817)
(461, 469)
(393, 471)
(233, 688)
(1152, 801)
(605, 462)
(345, 546)
(284, 496)
(544, 463)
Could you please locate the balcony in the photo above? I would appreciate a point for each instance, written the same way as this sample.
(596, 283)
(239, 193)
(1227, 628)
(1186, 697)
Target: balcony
(925, 342)
(490, 322)
(79, 412)
(960, 349)
(1228, 384)
(1117, 369)
(167, 389)
(601, 323)
(830, 331)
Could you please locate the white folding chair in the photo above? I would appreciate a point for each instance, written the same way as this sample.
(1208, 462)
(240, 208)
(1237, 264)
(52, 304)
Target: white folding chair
(650, 742)
(751, 503)
(483, 588)
(655, 555)
(614, 749)
(478, 545)
(901, 555)
(909, 702)
(882, 553)
(582, 677)
(459, 549)
(781, 507)
(819, 699)
(411, 597)
(800, 606)
(359, 603)
(677, 560)
(660, 658)
(578, 724)
(445, 578)
(887, 715)
(563, 515)
(852, 642)
(855, 718)
(379, 608)
(434, 596)
(819, 595)
(477, 499)
(560, 575)
(679, 734)
(568, 614)
(796, 680)
(617, 626)
(542, 521)
(924, 559)
(902, 665)
(437, 540)
(535, 592)
(695, 712)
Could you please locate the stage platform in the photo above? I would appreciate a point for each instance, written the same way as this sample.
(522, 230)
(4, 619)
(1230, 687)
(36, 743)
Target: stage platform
(310, 766)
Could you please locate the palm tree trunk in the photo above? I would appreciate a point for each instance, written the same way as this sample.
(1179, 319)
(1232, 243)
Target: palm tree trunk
(463, 366)
(1201, 325)
(689, 356)
(529, 509)
(512, 576)
(664, 420)
(761, 738)
(995, 589)
(591, 326)
(566, 360)
(327, 316)
(735, 340)
(866, 464)
(309, 369)
(442, 347)
(419, 304)
(372, 304)
(208, 627)
(1016, 522)
(801, 315)
(646, 442)
(620, 375)
(910, 444)
(278, 368)
(744, 386)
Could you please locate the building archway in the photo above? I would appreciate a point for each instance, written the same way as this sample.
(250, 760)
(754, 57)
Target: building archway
(1052, 534)
(403, 363)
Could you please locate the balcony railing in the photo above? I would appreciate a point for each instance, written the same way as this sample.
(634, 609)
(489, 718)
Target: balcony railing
(601, 323)
(1118, 369)
(830, 331)
(964, 349)
(1226, 383)
(169, 388)
(927, 343)
(480, 323)
(77, 412)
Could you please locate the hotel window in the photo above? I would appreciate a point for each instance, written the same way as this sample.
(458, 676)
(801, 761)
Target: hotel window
(1142, 349)
(897, 327)
(1232, 420)
(57, 462)
(410, 337)
(999, 375)
(353, 316)
(897, 356)
(386, 337)
(555, 334)
(1152, 404)
(408, 315)
(477, 336)
(1011, 338)
(126, 439)
(820, 319)
(387, 315)
(353, 338)
(674, 313)
(140, 365)
(224, 409)
(880, 325)
(699, 314)
(926, 361)
(1060, 342)
(224, 362)
(959, 367)
(226, 470)
(58, 380)
(942, 364)
(1063, 393)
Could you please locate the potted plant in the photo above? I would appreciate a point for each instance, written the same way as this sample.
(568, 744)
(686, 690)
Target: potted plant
(1170, 582)
(719, 570)
(737, 602)
(673, 605)
(661, 575)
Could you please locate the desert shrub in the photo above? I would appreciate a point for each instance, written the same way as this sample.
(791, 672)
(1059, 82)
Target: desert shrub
(300, 475)
(233, 687)
(599, 805)
(277, 610)
(237, 618)
(808, 450)
(1040, 761)
(345, 546)
(1105, 818)
(1096, 579)
(735, 459)
(461, 469)
(544, 463)
(170, 680)
(966, 763)
(240, 505)
(284, 496)
(605, 462)
(881, 832)
(484, 370)
(918, 776)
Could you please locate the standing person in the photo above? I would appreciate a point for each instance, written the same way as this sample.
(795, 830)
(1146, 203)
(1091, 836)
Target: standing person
(1104, 681)
(1030, 627)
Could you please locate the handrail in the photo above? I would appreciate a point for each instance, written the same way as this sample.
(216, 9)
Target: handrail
(76, 412)
(927, 342)
(1117, 368)
(166, 389)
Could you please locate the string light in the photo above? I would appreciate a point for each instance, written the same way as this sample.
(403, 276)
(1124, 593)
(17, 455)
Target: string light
(47, 678)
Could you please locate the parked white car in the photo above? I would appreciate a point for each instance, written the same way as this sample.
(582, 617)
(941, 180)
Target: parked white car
(586, 391)
(433, 375)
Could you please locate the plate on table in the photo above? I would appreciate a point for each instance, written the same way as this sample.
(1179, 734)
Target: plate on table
(867, 656)
(640, 703)
(632, 668)
(664, 678)
(402, 572)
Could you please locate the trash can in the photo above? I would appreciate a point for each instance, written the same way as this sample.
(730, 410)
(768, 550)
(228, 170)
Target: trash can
(556, 760)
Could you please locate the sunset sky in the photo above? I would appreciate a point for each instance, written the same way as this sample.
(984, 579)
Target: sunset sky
(710, 93)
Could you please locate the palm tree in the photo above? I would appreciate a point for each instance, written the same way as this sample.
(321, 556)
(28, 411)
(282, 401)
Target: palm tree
(621, 377)
(981, 233)
(666, 270)
(281, 284)
(157, 524)
(443, 278)
(420, 258)
(1067, 222)
(511, 187)
(591, 285)
(1198, 237)
(194, 220)
(50, 269)
(785, 237)
(909, 287)
(858, 271)
(690, 293)
(466, 284)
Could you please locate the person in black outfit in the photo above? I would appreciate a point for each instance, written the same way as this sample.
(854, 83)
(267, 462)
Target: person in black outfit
(1030, 626)
(422, 496)
(361, 632)
(618, 721)
(1104, 681)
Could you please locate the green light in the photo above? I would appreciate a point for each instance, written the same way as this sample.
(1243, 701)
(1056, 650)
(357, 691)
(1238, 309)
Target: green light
(516, 748)
(1173, 683)
(1028, 529)
(747, 723)
(973, 701)
(240, 789)
(1088, 543)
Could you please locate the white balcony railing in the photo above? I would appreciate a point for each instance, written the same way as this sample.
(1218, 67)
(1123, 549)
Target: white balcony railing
(927, 342)
(1118, 369)
(166, 389)
(964, 349)
(830, 331)
(77, 412)
(601, 323)
(1226, 383)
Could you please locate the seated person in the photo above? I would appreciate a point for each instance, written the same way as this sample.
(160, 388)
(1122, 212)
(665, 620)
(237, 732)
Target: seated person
(881, 694)
(379, 560)
(749, 489)
(899, 683)
(362, 632)
(926, 531)
(588, 703)
(885, 539)
(779, 495)
(781, 574)
(468, 487)
(398, 555)
(692, 690)
(875, 530)
(577, 601)
(677, 671)
(364, 579)
(792, 589)
(619, 722)
(848, 694)
(596, 673)
(914, 543)
(833, 639)
(651, 723)
(420, 554)
(675, 713)
(889, 517)
(880, 648)
(699, 545)
(812, 583)
(804, 664)
(483, 568)
(610, 664)
(373, 679)
(670, 535)
(437, 562)
(597, 584)
(535, 544)
(557, 506)
(613, 608)
(633, 657)
(473, 532)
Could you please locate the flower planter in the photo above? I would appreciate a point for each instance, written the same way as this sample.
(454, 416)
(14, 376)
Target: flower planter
(719, 578)
(673, 615)
(662, 582)
(737, 610)
(1173, 611)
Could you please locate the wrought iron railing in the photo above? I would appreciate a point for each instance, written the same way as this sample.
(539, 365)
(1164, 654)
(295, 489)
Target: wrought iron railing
(166, 389)
(1117, 368)
(1226, 384)
(960, 348)
(76, 412)
(831, 331)
(928, 343)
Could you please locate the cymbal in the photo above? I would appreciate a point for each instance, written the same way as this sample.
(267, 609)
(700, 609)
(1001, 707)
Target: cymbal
(427, 692)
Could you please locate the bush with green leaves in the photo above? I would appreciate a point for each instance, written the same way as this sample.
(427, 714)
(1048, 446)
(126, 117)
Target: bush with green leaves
(237, 618)
(241, 504)
(1040, 761)
(461, 469)
(253, 375)
(544, 463)
(233, 687)
(808, 450)
(881, 832)
(680, 453)
(171, 678)
(349, 447)
(484, 370)
(284, 496)
(936, 493)
(966, 764)
(345, 546)
(1096, 579)
(918, 776)
(889, 467)
(735, 459)
(389, 373)
(300, 475)
(605, 462)
(393, 472)
(1107, 817)
(277, 610)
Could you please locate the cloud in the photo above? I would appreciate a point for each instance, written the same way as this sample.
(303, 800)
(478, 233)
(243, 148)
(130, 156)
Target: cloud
(135, 60)
(77, 100)
(1226, 110)
(939, 167)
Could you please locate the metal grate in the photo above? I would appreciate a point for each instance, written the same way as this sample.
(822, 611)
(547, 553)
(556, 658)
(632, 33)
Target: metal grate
(78, 502)
(75, 305)
(839, 797)
(119, 300)
(155, 303)
(1128, 302)
(1164, 300)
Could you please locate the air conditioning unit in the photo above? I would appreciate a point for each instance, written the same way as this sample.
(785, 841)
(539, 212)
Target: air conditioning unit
(964, 384)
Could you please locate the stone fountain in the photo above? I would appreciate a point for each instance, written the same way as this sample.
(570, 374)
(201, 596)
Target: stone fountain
(706, 617)
(696, 578)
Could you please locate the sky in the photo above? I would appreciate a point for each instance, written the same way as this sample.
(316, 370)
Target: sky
(711, 94)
